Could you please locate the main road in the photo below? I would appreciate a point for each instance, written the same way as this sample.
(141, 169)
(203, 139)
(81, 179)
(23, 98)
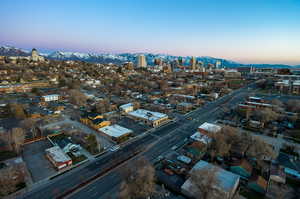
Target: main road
(100, 178)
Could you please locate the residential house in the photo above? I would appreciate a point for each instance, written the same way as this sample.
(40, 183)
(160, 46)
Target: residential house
(290, 164)
(277, 174)
(242, 168)
(258, 184)
(226, 188)
(94, 120)
(209, 129)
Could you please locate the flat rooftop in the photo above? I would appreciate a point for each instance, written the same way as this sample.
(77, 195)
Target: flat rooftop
(115, 130)
(148, 115)
(57, 154)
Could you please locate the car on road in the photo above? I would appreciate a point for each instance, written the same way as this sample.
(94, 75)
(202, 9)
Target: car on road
(189, 118)
(114, 148)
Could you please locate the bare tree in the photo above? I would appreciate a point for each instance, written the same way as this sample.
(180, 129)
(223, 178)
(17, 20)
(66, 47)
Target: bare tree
(17, 138)
(17, 110)
(77, 97)
(277, 102)
(258, 149)
(222, 142)
(9, 178)
(293, 105)
(28, 125)
(205, 181)
(138, 180)
(266, 115)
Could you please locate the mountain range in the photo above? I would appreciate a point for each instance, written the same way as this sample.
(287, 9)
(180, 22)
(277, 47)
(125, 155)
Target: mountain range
(124, 57)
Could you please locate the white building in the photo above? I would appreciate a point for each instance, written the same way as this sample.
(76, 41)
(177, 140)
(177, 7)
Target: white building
(126, 107)
(208, 128)
(48, 98)
(58, 158)
(201, 138)
(227, 186)
(149, 117)
(115, 132)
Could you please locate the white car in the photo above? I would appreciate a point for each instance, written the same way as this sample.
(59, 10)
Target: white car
(114, 148)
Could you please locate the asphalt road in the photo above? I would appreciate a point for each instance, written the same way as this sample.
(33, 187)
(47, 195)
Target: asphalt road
(151, 146)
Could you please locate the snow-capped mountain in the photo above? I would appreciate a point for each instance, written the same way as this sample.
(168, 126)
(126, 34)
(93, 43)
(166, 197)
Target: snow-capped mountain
(90, 57)
(12, 51)
(123, 57)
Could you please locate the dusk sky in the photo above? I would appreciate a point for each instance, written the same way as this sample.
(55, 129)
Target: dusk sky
(246, 31)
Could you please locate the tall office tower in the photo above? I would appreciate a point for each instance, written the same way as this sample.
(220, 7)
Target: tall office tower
(180, 61)
(141, 62)
(218, 64)
(193, 63)
(174, 64)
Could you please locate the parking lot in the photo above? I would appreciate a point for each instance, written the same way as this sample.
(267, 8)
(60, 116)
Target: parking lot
(36, 161)
(136, 127)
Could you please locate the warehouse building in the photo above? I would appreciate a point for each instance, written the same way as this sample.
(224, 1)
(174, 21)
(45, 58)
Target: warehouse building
(116, 132)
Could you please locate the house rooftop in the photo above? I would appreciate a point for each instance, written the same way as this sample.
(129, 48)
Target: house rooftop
(288, 161)
(201, 138)
(227, 180)
(213, 128)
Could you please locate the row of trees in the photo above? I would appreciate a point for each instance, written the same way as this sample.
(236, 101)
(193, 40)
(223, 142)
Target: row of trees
(253, 146)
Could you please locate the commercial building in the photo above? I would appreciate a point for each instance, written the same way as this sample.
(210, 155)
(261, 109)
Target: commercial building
(126, 107)
(231, 74)
(226, 187)
(141, 61)
(193, 63)
(58, 158)
(288, 86)
(149, 117)
(49, 98)
(116, 132)
(184, 107)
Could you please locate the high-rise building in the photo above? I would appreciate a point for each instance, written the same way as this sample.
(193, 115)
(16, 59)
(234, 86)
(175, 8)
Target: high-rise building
(218, 64)
(193, 63)
(35, 56)
(141, 61)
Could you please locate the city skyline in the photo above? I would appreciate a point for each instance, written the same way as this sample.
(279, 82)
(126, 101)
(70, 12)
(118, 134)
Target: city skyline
(246, 32)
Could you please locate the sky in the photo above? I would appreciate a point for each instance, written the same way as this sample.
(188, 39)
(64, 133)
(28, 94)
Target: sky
(246, 31)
